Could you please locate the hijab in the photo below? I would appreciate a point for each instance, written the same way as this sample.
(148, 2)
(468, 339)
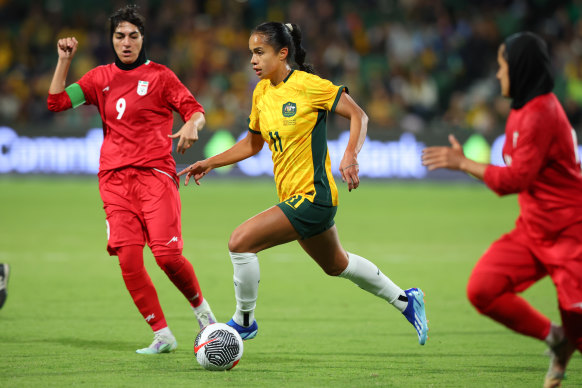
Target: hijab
(530, 70)
(141, 58)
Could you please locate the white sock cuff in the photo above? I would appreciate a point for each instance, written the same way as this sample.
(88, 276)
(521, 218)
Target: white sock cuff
(203, 306)
(352, 264)
(164, 331)
(242, 258)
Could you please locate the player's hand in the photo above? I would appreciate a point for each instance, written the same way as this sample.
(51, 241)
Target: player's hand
(188, 135)
(196, 171)
(67, 47)
(349, 170)
(444, 157)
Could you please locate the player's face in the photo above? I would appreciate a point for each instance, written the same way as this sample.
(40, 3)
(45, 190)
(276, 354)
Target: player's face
(266, 63)
(127, 42)
(503, 72)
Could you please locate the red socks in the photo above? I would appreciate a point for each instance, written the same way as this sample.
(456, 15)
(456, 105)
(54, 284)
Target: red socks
(142, 290)
(140, 285)
(181, 273)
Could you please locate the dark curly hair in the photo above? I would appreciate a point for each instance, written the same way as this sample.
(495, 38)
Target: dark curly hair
(127, 14)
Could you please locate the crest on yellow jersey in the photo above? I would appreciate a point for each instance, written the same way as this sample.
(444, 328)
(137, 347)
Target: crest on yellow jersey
(289, 109)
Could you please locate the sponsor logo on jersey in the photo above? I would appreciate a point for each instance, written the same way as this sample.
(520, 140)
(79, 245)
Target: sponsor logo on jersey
(289, 109)
(142, 88)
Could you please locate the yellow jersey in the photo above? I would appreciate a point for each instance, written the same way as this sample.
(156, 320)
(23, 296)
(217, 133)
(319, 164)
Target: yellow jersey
(291, 117)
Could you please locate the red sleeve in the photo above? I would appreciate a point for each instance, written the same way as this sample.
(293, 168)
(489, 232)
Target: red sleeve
(80, 92)
(529, 153)
(59, 102)
(179, 97)
(87, 84)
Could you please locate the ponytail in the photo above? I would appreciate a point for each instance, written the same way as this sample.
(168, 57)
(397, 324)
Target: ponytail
(299, 50)
(288, 35)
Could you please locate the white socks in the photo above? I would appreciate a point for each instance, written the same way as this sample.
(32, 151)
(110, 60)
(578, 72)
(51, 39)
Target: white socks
(359, 270)
(368, 277)
(166, 332)
(246, 286)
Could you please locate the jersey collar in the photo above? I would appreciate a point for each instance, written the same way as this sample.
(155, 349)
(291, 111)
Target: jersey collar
(288, 75)
(282, 84)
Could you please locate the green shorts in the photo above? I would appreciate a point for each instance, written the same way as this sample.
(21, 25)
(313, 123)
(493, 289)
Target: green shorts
(308, 219)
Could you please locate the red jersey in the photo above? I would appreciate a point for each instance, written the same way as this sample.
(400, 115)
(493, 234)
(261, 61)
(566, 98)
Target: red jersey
(542, 166)
(136, 108)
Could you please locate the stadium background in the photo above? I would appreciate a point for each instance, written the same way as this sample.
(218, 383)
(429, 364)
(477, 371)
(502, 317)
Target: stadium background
(421, 68)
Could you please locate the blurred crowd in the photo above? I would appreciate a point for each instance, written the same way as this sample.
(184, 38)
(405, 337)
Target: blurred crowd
(413, 65)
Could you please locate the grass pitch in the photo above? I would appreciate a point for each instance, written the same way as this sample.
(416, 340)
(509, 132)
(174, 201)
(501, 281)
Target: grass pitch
(69, 321)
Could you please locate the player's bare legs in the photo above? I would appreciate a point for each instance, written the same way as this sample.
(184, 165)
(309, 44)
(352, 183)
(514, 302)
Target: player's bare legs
(327, 251)
(265, 230)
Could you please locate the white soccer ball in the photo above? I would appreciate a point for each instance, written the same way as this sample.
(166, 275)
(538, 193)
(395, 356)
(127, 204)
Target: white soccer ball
(218, 347)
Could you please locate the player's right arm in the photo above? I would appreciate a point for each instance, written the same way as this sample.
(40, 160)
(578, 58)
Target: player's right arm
(452, 158)
(245, 148)
(58, 100)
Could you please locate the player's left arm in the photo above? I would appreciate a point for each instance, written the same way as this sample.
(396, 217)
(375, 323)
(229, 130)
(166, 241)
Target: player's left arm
(182, 101)
(348, 167)
(188, 134)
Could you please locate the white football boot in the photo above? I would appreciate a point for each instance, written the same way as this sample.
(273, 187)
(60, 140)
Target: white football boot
(162, 344)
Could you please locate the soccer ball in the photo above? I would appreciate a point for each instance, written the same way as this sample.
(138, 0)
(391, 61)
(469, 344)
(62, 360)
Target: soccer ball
(218, 347)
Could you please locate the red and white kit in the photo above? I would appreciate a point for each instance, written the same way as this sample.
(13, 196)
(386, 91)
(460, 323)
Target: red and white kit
(543, 167)
(137, 174)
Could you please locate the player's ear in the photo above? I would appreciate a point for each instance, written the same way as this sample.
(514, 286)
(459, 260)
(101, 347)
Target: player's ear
(283, 53)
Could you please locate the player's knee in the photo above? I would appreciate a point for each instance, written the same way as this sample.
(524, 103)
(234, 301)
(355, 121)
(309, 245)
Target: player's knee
(333, 270)
(238, 241)
(337, 266)
(482, 290)
(170, 263)
(476, 296)
(130, 259)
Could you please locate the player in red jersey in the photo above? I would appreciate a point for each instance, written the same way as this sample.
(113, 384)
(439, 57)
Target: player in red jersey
(543, 168)
(137, 174)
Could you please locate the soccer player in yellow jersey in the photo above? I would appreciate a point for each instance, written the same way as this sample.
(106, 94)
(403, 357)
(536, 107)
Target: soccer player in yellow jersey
(289, 113)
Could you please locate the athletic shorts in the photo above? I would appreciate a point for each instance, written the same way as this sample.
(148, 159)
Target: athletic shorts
(142, 205)
(309, 219)
(524, 261)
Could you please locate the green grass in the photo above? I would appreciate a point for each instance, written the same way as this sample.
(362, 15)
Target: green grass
(69, 320)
